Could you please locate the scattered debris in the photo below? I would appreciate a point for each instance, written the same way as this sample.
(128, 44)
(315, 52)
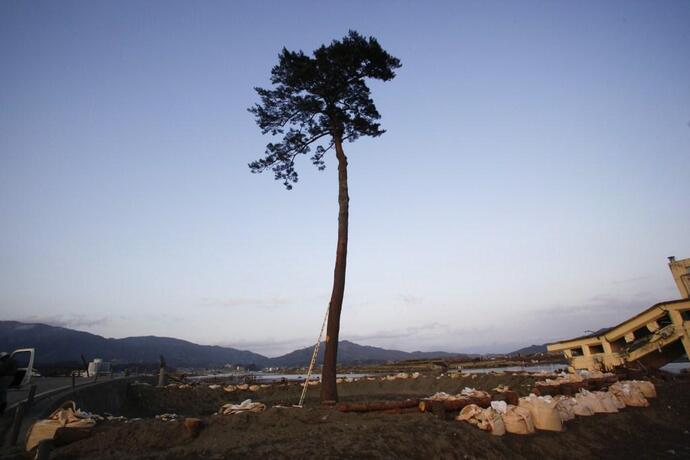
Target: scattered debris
(246, 406)
(67, 423)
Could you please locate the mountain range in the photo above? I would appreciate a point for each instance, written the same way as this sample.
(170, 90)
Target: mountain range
(60, 345)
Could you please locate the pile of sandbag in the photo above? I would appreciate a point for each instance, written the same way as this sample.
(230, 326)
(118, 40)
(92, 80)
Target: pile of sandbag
(570, 384)
(473, 393)
(443, 396)
(246, 406)
(466, 394)
(551, 412)
(456, 402)
(400, 376)
(499, 418)
(543, 411)
(633, 392)
(487, 419)
(66, 424)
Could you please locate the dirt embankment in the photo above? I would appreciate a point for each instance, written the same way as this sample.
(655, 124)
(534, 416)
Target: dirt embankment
(659, 431)
(147, 401)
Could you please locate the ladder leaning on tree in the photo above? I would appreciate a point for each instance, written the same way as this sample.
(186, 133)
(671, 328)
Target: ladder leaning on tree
(313, 360)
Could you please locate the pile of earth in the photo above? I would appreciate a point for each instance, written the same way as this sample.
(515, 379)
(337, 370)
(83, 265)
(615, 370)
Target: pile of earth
(659, 431)
(148, 401)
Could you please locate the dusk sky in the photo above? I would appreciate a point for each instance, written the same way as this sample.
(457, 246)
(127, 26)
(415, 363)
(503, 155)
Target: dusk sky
(532, 181)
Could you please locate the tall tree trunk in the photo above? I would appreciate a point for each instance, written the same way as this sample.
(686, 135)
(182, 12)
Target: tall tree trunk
(329, 391)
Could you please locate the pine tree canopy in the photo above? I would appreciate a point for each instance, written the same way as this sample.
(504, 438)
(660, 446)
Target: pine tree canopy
(319, 101)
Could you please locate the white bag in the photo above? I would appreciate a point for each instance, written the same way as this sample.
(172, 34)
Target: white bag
(517, 420)
(544, 412)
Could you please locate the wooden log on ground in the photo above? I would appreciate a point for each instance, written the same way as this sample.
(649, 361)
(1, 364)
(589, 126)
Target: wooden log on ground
(377, 406)
(510, 397)
(438, 409)
(544, 390)
(600, 383)
(407, 410)
(572, 388)
(45, 448)
(426, 405)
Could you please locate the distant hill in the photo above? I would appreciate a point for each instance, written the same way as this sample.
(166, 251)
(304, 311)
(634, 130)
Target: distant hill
(59, 344)
(532, 349)
(352, 353)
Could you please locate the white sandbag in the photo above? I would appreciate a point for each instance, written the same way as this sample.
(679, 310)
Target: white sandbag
(588, 399)
(565, 405)
(470, 414)
(646, 387)
(499, 406)
(582, 406)
(246, 406)
(616, 401)
(517, 420)
(471, 392)
(607, 401)
(493, 422)
(631, 395)
(544, 413)
(485, 419)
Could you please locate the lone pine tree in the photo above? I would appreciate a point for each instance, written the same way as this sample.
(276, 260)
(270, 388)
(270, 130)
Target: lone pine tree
(321, 101)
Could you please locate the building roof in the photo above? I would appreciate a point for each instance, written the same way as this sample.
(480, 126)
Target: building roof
(604, 331)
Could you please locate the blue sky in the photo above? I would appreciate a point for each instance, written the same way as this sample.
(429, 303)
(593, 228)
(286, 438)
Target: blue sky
(532, 181)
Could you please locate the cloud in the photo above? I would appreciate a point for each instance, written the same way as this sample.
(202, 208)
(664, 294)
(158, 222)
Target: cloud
(245, 302)
(567, 321)
(67, 321)
(631, 280)
(411, 299)
(271, 347)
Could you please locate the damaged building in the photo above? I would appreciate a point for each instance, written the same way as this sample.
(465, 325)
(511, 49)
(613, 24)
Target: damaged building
(651, 339)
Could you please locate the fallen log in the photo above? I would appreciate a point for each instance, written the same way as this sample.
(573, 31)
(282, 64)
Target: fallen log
(426, 405)
(407, 410)
(377, 406)
(546, 390)
(600, 383)
(572, 388)
(509, 396)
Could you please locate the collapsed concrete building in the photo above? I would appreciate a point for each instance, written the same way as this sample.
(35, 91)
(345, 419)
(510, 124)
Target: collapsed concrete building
(651, 339)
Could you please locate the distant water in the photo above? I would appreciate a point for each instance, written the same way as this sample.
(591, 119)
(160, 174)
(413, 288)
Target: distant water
(264, 377)
(533, 368)
(672, 367)
(676, 367)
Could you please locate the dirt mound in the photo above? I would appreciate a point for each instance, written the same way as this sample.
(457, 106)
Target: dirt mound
(659, 431)
(200, 400)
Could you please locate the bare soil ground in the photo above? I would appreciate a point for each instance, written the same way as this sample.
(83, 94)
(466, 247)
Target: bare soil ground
(659, 431)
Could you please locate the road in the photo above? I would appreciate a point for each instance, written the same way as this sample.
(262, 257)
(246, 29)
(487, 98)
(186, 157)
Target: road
(44, 384)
